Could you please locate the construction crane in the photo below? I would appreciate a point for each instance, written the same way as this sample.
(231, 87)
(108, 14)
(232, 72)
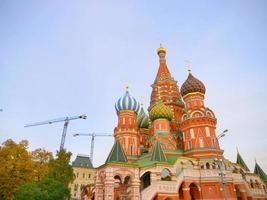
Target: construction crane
(92, 135)
(66, 123)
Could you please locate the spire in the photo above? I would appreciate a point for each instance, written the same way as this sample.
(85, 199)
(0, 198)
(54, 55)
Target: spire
(157, 153)
(260, 172)
(163, 71)
(241, 162)
(117, 154)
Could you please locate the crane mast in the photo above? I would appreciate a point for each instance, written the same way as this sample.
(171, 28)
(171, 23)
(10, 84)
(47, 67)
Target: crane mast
(65, 127)
(92, 135)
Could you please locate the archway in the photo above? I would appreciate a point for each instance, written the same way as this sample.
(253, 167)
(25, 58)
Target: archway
(117, 187)
(145, 180)
(237, 190)
(194, 191)
(181, 194)
(165, 175)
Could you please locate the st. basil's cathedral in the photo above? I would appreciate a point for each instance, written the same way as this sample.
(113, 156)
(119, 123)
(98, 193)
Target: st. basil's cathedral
(173, 152)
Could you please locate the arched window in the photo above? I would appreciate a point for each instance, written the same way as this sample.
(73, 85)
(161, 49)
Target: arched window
(165, 175)
(127, 180)
(145, 180)
(251, 183)
(207, 165)
(117, 181)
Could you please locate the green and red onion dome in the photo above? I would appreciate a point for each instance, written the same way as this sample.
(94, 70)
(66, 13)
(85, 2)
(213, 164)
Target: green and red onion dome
(142, 119)
(160, 111)
(192, 85)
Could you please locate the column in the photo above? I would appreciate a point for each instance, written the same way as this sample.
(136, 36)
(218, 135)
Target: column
(186, 193)
(243, 194)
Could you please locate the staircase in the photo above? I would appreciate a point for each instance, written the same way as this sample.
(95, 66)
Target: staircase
(161, 186)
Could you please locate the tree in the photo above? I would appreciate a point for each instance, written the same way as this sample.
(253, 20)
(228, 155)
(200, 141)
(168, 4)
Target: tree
(40, 158)
(46, 189)
(29, 191)
(60, 169)
(16, 167)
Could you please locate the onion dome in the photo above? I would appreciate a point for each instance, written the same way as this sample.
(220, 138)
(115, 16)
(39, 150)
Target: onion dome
(160, 111)
(192, 85)
(127, 102)
(142, 119)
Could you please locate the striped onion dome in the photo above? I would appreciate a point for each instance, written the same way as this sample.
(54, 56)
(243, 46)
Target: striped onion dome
(160, 111)
(142, 119)
(127, 102)
(192, 85)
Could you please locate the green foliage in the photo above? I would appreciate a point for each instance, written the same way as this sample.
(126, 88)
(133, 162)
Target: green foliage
(47, 189)
(60, 169)
(29, 191)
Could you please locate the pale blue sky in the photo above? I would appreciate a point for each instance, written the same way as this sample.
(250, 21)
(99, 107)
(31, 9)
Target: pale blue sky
(63, 58)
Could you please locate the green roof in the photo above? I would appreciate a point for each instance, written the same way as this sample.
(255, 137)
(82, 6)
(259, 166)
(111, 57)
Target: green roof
(157, 153)
(117, 154)
(260, 172)
(241, 162)
(82, 161)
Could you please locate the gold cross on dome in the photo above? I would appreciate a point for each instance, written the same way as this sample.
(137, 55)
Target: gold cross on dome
(188, 65)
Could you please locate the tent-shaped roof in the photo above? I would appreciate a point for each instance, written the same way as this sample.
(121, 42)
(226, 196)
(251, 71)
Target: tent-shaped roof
(117, 154)
(241, 162)
(157, 153)
(260, 172)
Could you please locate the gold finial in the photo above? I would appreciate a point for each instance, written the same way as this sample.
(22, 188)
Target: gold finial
(189, 65)
(127, 86)
(161, 49)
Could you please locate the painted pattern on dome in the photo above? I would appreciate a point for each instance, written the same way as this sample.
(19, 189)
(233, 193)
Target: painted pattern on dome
(192, 85)
(160, 111)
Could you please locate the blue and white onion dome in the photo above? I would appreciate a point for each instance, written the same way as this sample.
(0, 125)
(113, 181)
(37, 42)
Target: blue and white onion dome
(127, 102)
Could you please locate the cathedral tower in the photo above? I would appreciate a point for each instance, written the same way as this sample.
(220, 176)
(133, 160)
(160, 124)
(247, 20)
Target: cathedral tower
(198, 122)
(165, 88)
(126, 131)
(161, 115)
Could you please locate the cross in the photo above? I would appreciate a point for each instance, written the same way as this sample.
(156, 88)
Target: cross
(127, 86)
(188, 65)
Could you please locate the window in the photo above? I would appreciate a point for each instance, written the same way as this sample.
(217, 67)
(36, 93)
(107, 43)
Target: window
(201, 143)
(192, 134)
(89, 175)
(207, 131)
(75, 187)
(190, 144)
(207, 166)
(83, 175)
(123, 120)
(77, 175)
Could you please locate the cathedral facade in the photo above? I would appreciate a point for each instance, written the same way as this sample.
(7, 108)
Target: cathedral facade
(173, 152)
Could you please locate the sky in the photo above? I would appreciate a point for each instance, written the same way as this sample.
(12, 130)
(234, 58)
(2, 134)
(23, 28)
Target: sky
(65, 58)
